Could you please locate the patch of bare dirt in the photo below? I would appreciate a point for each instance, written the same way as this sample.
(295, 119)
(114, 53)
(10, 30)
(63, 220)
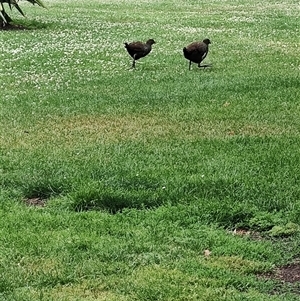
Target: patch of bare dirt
(289, 273)
(288, 277)
(39, 202)
(246, 232)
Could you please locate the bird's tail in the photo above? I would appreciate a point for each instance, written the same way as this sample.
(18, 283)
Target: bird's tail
(184, 50)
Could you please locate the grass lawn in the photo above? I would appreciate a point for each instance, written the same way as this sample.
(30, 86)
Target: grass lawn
(157, 183)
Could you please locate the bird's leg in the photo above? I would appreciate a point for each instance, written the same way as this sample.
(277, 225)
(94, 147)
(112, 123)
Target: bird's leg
(133, 64)
(190, 63)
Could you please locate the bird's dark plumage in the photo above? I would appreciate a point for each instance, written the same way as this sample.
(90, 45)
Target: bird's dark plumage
(139, 49)
(196, 52)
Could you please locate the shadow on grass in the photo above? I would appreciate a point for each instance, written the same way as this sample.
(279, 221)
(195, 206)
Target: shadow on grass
(19, 25)
(43, 190)
(113, 201)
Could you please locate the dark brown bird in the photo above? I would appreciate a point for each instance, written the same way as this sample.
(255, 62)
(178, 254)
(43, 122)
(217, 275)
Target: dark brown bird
(196, 52)
(139, 49)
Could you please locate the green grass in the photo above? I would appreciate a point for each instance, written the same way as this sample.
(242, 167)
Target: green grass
(143, 170)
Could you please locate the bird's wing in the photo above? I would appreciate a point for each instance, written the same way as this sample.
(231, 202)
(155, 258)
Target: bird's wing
(137, 46)
(204, 55)
(202, 50)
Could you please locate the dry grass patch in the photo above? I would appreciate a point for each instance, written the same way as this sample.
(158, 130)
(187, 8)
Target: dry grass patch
(74, 292)
(234, 263)
(83, 291)
(74, 131)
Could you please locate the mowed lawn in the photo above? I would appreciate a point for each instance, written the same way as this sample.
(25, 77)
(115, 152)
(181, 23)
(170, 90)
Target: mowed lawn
(153, 183)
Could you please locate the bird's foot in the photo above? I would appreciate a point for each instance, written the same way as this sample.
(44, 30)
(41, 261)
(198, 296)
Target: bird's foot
(205, 66)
